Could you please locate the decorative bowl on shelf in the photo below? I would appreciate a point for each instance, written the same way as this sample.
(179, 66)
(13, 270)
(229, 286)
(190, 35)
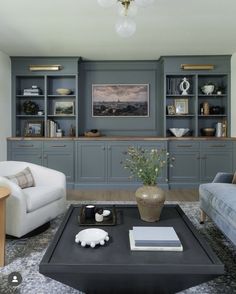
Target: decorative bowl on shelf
(208, 89)
(208, 131)
(63, 91)
(179, 132)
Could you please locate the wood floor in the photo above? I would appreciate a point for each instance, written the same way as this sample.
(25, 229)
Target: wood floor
(122, 195)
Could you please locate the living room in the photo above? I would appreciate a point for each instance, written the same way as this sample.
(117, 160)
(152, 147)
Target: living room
(78, 86)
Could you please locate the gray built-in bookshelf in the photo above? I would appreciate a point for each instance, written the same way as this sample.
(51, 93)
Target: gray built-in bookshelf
(163, 76)
(38, 90)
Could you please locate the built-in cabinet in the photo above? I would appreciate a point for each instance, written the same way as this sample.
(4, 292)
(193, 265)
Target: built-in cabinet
(196, 162)
(102, 161)
(58, 155)
(88, 163)
(176, 100)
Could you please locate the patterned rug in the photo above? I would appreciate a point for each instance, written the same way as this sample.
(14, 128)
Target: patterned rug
(24, 256)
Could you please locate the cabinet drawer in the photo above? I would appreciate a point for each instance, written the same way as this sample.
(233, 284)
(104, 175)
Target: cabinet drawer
(58, 146)
(183, 146)
(26, 145)
(217, 145)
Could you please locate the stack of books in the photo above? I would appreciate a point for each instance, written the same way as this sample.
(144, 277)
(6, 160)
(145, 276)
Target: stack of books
(33, 91)
(154, 239)
(51, 128)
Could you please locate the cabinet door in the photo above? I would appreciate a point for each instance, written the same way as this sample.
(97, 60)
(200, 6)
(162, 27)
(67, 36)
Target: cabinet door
(116, 170)
(157, 145)
(214, 162)
(91, 162)
(185, 167)
(59, 155)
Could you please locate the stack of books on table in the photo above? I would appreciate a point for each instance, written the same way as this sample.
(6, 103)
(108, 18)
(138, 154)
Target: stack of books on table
(154, 239)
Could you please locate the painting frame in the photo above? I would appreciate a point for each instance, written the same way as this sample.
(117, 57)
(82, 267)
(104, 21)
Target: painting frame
(64, 108)
(120, 100)
(181, 106)
(33, 128)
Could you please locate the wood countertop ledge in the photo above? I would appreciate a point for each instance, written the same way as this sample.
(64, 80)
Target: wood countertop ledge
(123, 138)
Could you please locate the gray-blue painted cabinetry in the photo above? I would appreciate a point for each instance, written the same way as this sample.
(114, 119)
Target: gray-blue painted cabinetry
(185, 163)
(29, 151)
(216, 156)
(101, 162)
(91, 161)
(58, 155)
(196, 162)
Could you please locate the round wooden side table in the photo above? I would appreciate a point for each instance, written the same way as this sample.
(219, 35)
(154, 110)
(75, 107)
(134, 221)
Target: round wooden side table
(4, 193)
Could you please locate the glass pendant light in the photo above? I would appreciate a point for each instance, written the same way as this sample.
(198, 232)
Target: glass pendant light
(125, 27)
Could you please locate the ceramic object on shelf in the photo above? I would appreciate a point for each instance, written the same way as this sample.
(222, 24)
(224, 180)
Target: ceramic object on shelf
(208, 89)
(63, 91)
(91, 237)
(179, 132)
(208, 131)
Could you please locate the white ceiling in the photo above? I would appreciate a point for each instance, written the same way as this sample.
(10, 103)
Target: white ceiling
(83, 28)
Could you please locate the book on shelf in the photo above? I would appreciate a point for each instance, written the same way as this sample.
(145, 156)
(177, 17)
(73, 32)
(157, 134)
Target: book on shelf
(154, 239)
(51, 128)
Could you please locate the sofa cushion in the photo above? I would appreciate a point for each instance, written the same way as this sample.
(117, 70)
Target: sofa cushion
(222, 198)
(37, 197)
(24, 178)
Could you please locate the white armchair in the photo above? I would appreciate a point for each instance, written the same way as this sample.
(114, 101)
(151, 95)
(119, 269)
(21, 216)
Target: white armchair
(29, 208)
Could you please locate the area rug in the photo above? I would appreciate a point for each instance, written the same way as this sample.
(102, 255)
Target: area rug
(24, 256)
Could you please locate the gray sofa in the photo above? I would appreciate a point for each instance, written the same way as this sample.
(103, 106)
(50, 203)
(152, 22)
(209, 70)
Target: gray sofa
(218, 201)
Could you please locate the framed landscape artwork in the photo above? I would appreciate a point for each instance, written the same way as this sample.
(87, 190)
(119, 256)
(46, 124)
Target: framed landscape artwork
(64, 108)
(120, 100)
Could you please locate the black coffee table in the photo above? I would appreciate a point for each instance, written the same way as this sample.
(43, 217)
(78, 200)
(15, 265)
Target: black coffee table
(114, 268)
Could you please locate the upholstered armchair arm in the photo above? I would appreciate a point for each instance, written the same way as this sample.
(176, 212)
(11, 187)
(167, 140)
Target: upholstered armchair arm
(44, 176)
(223, 178)
(16, 197)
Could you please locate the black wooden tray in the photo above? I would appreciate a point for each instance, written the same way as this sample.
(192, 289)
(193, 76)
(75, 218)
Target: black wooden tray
(107, 221)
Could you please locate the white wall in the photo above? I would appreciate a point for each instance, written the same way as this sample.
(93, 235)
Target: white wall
(5, 103)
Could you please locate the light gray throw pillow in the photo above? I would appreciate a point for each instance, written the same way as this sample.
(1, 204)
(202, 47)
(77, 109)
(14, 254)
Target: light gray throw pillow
(24, 179)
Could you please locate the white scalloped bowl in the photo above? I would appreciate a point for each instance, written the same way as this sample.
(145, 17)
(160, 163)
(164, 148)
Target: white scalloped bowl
(179, 132)
(91, 237)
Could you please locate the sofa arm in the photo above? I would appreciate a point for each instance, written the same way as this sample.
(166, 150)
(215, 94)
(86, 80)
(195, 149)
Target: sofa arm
(223, 178)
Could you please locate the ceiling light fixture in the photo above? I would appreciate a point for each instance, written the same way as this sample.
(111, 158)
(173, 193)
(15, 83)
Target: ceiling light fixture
(125, 26)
